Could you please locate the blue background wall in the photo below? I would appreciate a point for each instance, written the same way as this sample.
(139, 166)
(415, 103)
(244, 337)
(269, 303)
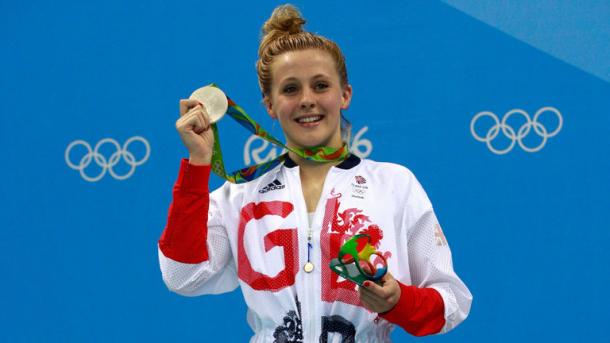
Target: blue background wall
(528, 231)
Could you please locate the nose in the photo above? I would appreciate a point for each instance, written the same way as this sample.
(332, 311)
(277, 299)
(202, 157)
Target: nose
(307, 100)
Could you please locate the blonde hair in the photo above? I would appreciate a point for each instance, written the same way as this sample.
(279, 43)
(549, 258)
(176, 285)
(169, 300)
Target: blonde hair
(283, 32)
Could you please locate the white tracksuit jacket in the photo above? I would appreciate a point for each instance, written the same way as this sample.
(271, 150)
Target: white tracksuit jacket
(257, 239)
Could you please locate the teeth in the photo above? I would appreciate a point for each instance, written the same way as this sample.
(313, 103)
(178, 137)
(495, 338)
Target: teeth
(309, 119)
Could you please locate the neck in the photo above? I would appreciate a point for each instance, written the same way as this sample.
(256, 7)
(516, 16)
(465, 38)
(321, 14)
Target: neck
(311, 169)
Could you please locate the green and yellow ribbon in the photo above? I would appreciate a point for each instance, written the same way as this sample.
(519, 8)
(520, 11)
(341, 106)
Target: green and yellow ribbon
(318, 154)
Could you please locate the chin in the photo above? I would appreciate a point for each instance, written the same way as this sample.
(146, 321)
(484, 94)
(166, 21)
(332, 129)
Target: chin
(311, 141)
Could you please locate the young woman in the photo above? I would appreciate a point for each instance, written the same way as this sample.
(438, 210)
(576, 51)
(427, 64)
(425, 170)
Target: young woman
(276, 235)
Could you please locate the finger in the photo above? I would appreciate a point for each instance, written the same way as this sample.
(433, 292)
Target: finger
(368, 296)
(387, 277)
(376, 289)
(366, 303)
(191, 121)
(186, 119)
(203, 116)
(365, 297)
(376, 304)
(187, 104)
(199, 108)
(384, 282)
(373, 297)
(372, 303)
(200, 125)
(197, 119)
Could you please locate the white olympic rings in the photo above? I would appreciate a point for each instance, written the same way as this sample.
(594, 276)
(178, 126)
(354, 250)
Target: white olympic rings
(107, 164)
(509, 132)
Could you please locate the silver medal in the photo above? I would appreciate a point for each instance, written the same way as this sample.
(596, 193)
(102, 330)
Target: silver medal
(308, 267)
(214, 100)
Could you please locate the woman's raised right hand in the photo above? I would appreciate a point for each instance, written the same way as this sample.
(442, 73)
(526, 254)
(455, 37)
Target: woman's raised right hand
(195, 131)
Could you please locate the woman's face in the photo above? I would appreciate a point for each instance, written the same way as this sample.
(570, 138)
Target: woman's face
(306, 97)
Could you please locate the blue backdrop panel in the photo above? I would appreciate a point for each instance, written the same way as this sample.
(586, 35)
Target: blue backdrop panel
(503, 115)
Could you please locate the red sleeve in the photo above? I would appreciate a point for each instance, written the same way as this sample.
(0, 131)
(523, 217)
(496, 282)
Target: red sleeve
(185, 235)
(419, 311)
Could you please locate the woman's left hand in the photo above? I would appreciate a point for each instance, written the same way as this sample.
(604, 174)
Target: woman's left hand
(380, 298)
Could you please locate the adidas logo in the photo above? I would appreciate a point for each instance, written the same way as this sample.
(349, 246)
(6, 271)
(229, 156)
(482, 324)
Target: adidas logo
(276, 184)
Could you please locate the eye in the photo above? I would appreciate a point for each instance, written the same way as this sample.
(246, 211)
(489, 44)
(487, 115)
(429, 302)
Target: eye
(320, 86)
(289, 89)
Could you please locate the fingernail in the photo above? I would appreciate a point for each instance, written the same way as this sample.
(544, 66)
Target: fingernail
(367, 284)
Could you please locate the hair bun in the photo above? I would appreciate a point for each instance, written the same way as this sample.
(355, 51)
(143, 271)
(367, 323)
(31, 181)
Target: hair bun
(285, 19)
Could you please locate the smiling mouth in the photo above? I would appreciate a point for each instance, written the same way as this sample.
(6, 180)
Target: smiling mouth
(309, 119)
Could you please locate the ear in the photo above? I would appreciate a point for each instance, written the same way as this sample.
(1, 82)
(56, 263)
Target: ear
(346, 96)
(268, 106)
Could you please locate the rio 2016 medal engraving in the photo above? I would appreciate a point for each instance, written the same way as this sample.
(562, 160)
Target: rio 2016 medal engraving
(213, 99)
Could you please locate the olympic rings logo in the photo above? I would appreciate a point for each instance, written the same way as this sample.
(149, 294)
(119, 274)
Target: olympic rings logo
(107, 164)
(522, 132)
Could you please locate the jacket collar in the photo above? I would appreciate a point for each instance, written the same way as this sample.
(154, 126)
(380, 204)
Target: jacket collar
(348, 163)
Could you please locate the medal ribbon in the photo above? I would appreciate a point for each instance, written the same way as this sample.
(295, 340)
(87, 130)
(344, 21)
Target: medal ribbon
(317, 154)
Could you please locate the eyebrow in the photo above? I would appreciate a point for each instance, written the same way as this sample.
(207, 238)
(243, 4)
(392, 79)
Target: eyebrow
(315, 77)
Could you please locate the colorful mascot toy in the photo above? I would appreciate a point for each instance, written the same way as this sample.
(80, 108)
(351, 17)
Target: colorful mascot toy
(353, 261)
